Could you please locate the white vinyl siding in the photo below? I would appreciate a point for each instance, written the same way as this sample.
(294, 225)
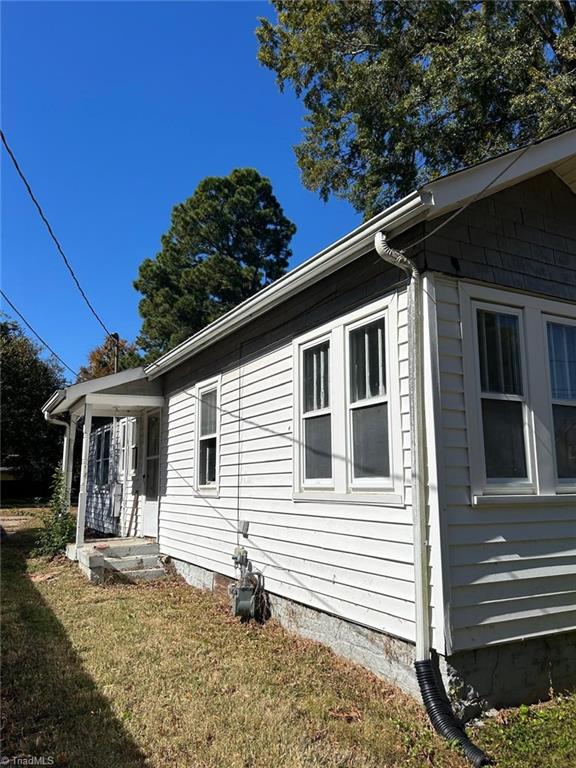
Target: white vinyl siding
(350, 557)
(510, 560)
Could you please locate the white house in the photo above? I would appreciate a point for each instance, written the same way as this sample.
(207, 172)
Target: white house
(394, 446)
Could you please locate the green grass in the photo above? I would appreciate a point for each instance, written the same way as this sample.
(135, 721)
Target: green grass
(162, 675)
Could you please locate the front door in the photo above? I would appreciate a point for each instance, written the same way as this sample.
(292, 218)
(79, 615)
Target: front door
(151, 468)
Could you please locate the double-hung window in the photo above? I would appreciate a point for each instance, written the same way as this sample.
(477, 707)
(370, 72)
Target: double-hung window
(502, 395)
(562, 361)
(316, 415)
(207, 444)
(347, 439)
(368, 404)
(520, 387)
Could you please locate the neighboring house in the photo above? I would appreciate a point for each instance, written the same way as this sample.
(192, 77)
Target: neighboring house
(379, 524)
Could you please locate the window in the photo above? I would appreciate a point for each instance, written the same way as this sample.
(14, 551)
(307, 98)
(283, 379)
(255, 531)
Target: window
(208, 440)
(123, 446)
(520, 392)
(345, 428)
(502, 396)
(134, 439)
(562, 358)
(317, 421)
(368, 403)
(102, 456)
(152, 456)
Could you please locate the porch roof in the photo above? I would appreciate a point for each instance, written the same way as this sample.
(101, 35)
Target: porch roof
(121, 394)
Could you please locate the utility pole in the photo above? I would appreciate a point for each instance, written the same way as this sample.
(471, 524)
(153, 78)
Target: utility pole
(116, 338)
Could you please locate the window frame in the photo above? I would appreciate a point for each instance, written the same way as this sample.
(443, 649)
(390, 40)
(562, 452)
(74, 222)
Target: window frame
(563, 485)
(535, 311)
(134, 429)
(367, 484)
(100, 440)
(214, 383)
(314, 483)
(341, 488)
(501, 485)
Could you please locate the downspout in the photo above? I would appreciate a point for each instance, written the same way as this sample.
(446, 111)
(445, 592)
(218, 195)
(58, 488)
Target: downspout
(434, 697)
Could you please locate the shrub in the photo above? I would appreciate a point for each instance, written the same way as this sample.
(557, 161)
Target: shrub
(58, 526)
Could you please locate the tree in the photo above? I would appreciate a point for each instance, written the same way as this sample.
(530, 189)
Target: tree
(101, 359)
(30, 446)
(225, 243)
(400, 92)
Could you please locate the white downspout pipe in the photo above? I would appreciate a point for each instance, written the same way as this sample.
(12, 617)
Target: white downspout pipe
(417, 440)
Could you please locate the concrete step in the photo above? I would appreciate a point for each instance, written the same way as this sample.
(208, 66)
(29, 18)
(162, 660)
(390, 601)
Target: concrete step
(137, 575)
(130, 562)
(125, 549)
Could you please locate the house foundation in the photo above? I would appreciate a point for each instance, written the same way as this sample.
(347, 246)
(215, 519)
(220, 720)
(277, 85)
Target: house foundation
(476, 680)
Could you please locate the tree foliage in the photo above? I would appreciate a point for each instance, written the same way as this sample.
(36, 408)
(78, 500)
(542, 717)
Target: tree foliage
(225, 243)
(30, 446)
(400, 91)
(101, 359)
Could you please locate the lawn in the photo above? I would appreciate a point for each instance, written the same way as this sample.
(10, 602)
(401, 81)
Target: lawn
(162, 675)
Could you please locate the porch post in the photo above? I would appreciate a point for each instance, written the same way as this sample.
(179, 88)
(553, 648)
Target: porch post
(70, 461)
(82, 496)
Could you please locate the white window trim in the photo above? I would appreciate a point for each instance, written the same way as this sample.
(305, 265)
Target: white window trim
(122, 432)
(98, 456)
(535, 312)
(365, 484)
(340, 489)
(563, 485)
(211, 489)
(134, 432)
(526, 485)
(316, 483)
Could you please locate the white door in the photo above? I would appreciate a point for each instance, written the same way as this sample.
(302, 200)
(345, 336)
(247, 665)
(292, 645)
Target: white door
(151, 467)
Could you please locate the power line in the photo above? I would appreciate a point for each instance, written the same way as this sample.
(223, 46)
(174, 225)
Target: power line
(51, 232)
(27, 324)
(484, 189)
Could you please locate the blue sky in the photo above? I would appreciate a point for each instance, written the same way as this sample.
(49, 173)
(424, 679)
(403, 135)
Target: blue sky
(116, 111)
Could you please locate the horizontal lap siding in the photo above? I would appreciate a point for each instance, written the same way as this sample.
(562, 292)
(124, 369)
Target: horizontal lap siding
(512, 570)
(351, 560)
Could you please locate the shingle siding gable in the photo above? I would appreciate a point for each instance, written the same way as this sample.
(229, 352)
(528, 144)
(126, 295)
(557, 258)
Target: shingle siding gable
(523, 237)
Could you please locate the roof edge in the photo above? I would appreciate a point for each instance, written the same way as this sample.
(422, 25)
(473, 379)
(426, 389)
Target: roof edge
(394, 219)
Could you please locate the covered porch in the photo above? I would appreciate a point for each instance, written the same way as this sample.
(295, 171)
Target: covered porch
(119, 419)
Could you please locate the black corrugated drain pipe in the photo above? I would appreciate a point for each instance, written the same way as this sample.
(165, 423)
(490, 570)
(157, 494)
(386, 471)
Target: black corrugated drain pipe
(441, 715)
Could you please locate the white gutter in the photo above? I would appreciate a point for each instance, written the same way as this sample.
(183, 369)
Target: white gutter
(417, 440)
(397, 217)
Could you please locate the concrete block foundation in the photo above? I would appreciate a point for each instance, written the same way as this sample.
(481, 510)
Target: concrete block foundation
(475, 680)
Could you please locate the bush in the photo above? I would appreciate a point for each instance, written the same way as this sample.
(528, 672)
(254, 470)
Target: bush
(58, 526)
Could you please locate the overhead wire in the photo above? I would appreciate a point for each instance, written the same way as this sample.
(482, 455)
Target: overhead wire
(51, 232)
(40, 339)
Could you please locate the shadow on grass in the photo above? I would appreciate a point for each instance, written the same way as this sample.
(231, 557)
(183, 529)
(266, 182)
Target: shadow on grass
(51, 707)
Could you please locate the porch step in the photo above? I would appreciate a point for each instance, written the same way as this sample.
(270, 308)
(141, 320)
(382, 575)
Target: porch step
(130, 562)
(124, 547)
(123, 560)
(141, 574)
